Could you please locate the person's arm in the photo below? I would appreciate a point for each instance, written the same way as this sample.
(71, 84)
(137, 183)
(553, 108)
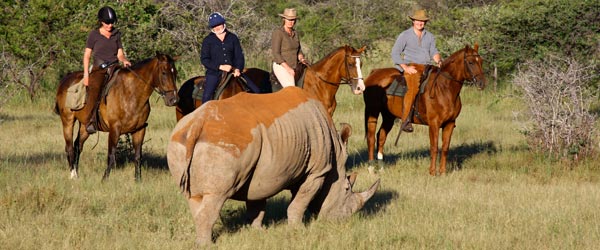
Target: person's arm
(397, 51)
(122, 58)
(238, 56)
(87, 54)
(437, 58)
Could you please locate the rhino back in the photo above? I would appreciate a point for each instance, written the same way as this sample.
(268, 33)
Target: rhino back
(252, 146)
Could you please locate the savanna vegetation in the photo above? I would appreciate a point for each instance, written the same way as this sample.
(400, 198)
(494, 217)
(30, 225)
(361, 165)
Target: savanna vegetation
(523, 156)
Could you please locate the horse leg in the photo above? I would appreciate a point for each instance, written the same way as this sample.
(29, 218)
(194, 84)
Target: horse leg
(82, 136)
(434, 131)
(113, 140)
(68, 123)
(446, 136)
(371, 126)
(138, 139)
(386, 126)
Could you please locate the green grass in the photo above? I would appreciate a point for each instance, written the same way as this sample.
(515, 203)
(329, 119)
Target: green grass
(496, 196)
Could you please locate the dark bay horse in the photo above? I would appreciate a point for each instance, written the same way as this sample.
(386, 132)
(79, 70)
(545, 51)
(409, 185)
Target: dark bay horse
(321, 80)
(437, 107)
(187, 103)
(124, 109)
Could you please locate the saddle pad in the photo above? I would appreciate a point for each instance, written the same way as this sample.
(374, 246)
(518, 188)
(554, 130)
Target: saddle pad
(76, 96)
(396, 89)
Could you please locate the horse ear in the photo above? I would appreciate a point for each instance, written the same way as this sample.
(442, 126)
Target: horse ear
(476, 47)
(362, 49)
(175, 58)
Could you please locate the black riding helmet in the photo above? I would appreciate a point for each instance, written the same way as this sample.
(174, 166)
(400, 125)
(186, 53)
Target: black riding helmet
(107, 15)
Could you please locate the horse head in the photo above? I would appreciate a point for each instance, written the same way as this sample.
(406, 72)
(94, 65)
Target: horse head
(474, 66)
(353, 71)
(165, 78)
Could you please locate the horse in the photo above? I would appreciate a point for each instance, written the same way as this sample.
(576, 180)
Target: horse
(321, 80)
(187, 103)
(437, 106)
(124, 108)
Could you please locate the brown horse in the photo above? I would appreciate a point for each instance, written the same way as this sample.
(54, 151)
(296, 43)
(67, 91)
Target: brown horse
(187, 103)
(438, 106)
(321, 80)
(124, 109)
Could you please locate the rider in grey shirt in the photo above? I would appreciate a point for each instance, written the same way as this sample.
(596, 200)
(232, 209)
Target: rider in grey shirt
(413, 46)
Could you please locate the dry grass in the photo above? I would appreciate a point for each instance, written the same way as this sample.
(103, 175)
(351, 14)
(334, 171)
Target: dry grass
(498, 195)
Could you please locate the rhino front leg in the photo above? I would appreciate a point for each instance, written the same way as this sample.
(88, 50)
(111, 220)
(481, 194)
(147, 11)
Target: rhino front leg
(205, 211)
(302, 197)
(256, 212)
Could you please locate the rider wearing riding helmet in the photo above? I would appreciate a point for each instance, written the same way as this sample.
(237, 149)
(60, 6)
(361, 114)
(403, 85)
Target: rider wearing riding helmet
(104, 43)
(221, 51)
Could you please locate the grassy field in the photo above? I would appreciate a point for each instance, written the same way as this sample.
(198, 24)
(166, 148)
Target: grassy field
(496, 196)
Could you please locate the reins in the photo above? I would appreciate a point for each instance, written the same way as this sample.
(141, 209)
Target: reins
(343, 80)
(156, 89)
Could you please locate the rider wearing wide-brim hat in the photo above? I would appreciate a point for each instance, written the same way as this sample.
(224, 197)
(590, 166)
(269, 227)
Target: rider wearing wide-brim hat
(285, 49)
(415, 45)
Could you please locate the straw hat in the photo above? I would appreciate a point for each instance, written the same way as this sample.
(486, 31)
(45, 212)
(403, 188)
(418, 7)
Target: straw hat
(289, 13)
(419, 15)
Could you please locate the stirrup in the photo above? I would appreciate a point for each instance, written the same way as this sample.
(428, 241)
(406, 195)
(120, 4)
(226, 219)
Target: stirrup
(407, 126)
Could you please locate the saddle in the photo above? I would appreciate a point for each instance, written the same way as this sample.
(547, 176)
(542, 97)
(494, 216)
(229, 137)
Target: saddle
(398, 86)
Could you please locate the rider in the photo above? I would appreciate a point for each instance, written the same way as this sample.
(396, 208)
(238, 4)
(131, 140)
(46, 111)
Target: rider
(286, 49)
(221, 52)
(105, 44)
(414, 45)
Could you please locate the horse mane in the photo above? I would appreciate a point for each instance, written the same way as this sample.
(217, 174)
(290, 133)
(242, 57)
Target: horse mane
(332, 53)
(454, 55)
(147, 60)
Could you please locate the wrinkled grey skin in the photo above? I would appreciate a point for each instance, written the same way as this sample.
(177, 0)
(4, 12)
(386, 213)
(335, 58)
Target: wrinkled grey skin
(251, 147)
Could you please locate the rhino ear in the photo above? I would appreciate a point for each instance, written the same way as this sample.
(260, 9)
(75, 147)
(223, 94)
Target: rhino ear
(352, 178)
(345, 132)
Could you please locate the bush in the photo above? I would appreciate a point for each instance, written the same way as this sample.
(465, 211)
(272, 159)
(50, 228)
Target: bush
(558, 121)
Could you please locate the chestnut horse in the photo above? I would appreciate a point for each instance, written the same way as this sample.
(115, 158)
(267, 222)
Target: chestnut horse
(187, 103)
(438, 106)
(321, 80)
(124, 109)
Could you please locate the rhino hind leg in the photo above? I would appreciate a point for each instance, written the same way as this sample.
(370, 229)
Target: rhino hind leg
(205, 211)
(256, 212)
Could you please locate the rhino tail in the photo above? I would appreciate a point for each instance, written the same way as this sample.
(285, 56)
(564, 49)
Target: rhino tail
(194, 132)
(184, 182)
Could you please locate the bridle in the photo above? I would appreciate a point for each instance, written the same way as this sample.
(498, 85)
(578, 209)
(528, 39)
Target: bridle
(469, 70)
(156, 89)
(344, 80)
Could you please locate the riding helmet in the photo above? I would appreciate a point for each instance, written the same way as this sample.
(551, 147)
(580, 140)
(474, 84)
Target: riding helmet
(107, 15)
(215, 19)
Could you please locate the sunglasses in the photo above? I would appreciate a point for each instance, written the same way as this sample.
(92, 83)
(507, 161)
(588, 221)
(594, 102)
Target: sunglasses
(109, 22)
(291, 20)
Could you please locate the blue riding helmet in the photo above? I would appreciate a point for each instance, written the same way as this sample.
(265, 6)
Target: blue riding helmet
(215, 19)
(107, 15)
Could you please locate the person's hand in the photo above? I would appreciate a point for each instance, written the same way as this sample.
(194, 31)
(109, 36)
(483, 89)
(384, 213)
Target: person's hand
(126, 64)
(291, 71)
(410, 70)
(86, 80)
(439, 63)
(304, 61)
(236, 73)
(225, 67)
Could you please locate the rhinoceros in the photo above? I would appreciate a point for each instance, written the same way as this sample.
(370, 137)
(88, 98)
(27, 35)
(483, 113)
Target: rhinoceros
(250, 147)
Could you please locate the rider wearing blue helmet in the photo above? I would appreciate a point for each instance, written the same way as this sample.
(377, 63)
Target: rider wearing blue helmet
(221, 52)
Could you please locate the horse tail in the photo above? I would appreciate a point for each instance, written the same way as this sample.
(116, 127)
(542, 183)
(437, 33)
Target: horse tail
(56, 111)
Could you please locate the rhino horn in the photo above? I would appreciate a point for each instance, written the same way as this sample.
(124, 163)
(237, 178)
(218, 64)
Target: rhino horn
(364, 196)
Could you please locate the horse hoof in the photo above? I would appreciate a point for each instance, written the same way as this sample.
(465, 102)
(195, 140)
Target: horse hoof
(74, 175)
